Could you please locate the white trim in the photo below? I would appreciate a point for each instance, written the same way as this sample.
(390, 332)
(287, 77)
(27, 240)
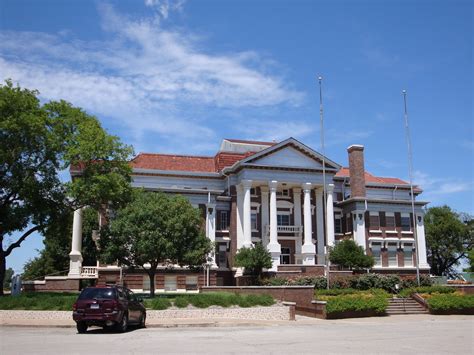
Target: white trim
(375, 231)
(407, 232)
(371, 213)
(391, 232)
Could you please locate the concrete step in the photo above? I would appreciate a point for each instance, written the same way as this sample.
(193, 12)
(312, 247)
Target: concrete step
(405, 306)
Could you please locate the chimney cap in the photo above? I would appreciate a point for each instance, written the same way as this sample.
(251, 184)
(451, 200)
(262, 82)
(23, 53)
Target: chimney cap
(355, 147)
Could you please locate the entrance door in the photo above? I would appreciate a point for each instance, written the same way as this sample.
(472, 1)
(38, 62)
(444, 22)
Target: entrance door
(285, 257)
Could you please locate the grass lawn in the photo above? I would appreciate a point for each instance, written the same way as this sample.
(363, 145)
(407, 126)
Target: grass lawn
(51, 301)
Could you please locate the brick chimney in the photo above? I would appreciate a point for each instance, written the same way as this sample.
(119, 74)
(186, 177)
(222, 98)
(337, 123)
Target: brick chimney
(356, 170)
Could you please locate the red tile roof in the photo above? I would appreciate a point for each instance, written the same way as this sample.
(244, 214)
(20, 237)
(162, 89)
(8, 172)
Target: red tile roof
(369, 178)
(174, 162)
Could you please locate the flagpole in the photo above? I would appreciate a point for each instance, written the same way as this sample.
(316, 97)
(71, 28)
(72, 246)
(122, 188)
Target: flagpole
(410, 172)
(321, 123)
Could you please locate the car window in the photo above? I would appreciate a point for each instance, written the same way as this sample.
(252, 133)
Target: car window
(98, 293)
(121, 293)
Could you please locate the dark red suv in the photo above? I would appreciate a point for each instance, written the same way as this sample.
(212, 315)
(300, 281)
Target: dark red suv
(113, 306)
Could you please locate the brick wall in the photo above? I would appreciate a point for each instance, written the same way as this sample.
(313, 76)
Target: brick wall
(52, 285)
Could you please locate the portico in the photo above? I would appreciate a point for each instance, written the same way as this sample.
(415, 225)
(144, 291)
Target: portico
(287, 211)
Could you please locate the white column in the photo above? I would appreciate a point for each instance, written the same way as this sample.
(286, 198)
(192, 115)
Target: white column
(308, 248)
(274, 247)
(297, 217)
(240, 215)
(320, 226)
(75, 256)
(265, 216)
(330, 216)
(421, 241)
(358, 219)
(247, 185)
(211, 230)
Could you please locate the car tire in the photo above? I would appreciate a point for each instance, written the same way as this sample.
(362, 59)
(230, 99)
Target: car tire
(122, 326)
(81, 327)
(143, 320)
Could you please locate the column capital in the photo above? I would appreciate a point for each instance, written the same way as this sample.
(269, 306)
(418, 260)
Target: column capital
(330, 188)
(306, 186)
(246, 184)
(273, 185)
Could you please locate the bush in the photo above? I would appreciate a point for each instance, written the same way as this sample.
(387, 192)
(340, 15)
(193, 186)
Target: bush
(426, 290)
(348, 254)
(368, 281)
(225, 299)
(181, 301)
(450, 302)
(350, 291)
(319, 282)
(47, 301)
(356, 302)
(160, 303)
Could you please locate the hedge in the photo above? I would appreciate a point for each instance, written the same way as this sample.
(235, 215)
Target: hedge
(444, 303)
(426, 290)
(47, 301)
(358, 302)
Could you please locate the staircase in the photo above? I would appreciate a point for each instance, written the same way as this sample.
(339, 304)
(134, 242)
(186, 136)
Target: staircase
(404, 306)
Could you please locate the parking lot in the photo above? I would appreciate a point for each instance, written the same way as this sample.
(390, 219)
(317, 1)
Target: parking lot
(395, 334)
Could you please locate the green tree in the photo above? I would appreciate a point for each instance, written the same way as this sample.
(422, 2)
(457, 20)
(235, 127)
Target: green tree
(470, 257)
(54, 258)
(37, 142)
(254, 260)
(155, 229)
(350, 255)
(448, 239)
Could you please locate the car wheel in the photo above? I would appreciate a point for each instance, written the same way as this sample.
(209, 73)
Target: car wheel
(123, 325)
(143, 320)
(81, 327)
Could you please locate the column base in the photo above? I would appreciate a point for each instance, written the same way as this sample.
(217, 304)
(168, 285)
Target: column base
(424, 266)
(309, 258)
(75, 265)
(247, 245)
(275, 251)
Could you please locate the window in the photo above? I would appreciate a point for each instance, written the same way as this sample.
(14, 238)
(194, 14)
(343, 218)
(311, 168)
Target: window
(283, 193)
(392, 254)
(376, 253)
(348, 223)
(253, 221)
(146, 283)
(222, 255)
(408, 254)
(337, 223)
(406, 223)
(390, 220)
(170, 283)
(283, 219)
(253, 191)
(191, 283)
(224, 220)
(285, 255)
(374, 220)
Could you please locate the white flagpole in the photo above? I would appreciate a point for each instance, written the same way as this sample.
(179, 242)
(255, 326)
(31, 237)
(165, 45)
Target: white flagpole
(410, 172)
(321, 123)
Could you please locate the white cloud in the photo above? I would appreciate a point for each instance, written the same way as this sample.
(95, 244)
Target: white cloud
(143, 76)
(434, 186)
(270, 130)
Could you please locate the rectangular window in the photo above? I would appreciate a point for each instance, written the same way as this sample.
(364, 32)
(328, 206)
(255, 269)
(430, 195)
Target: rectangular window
(390, 220)
(374, 220)
(191, 283)
(283, 219)
(406, 223)
(283, 193)
(337, 223)
(376, 253)
(408, 254)
(222, 256)
(170, 283)
(392, 254)
(146, 283)
(253, 221)
(224, 220)
(253, 191)
(348, 223)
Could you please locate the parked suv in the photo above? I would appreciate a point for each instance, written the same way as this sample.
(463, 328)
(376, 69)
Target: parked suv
(111, 306)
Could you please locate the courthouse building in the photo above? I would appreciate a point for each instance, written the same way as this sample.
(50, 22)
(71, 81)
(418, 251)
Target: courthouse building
(272, 193)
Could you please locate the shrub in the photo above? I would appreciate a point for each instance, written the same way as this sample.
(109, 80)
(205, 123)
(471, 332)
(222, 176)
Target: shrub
(181, 301)
(39, 301)
(348, 254)
(356, 302)
(426, 290)
(275, 281)
(254, 260)
(160, 303)
(368, 281)
(350, 291)
(409, 283)
(450, 302)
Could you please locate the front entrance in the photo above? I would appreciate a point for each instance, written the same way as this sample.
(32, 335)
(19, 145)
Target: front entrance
(287, 252)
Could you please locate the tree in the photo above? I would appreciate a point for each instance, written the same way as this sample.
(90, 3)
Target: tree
(254, 260)
(470, 257)
(155, 229)
(350, 255)
(8, 277)
(37, 142)
(54, 258)
(448, 239)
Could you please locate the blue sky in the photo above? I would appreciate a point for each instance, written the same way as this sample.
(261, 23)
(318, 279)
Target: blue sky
(178, 76)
